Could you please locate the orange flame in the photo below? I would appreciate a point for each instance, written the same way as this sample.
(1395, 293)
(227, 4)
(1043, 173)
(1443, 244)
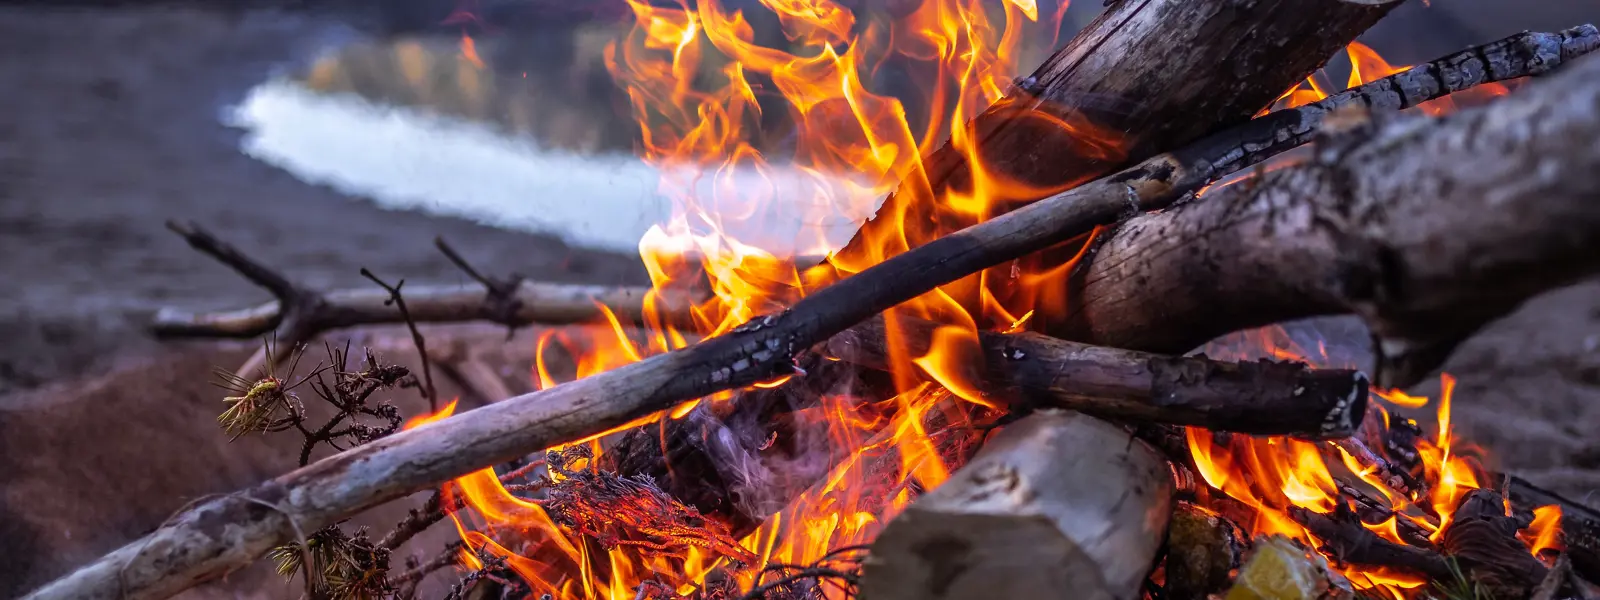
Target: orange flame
(707, 90)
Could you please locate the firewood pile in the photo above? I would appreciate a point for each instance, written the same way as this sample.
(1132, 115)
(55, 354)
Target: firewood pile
(856, 438)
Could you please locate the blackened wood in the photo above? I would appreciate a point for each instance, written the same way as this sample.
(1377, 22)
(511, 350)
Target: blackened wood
(1580, 523)
(1346, 540)
(1482, 539)
(1027, 370)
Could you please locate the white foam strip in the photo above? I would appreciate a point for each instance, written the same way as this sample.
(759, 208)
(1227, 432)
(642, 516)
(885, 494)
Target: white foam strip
(408, 159)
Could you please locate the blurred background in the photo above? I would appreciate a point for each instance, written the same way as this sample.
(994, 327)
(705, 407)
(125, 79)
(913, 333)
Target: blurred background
(328, 135)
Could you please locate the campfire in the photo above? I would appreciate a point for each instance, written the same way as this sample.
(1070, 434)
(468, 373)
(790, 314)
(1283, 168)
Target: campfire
(985, 392)
(716, 496)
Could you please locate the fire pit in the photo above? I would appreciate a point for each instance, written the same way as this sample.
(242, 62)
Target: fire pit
(981, 393)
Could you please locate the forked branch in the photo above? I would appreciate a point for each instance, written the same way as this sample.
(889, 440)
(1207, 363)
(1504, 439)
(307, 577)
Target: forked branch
(512, 301)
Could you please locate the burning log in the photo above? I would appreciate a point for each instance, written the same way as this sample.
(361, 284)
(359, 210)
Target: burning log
(1019, 522)
(1399, 223)
(1027, 370)
(1345, 539)
(1117, 75)
(1483, 541)
(1547, 177)
(1391, 222)
(1580, 524)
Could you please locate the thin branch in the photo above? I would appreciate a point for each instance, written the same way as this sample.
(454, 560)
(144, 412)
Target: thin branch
(251, 269)
(500, 304)
(300, 314)
(396, 298)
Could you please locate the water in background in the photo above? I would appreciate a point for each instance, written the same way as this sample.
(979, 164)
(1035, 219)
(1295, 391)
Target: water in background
(414, 126)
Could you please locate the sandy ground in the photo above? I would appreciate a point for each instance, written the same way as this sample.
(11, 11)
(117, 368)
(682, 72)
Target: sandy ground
(109, 126)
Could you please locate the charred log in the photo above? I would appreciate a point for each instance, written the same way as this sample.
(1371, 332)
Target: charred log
(1483, 541)
(1580, 524)
(1023, 371)
(1347, 541)
(1017, 521)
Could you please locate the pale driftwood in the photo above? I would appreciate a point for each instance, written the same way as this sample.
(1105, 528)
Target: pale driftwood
(1144, 77)
(538, 303)
(511, 302)
(1056, 505)
(1551, 123)
(1027, 370)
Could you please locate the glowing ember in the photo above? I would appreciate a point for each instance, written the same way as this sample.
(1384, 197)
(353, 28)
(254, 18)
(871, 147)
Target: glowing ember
(699, 83)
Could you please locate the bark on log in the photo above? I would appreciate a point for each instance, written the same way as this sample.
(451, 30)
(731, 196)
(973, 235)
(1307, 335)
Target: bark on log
(1427, 232)
(1057, 505)
(1150, 75)
(223, 533)
(1027, 370)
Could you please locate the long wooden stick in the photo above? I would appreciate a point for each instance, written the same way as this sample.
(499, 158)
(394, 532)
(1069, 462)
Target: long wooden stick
(215, 536)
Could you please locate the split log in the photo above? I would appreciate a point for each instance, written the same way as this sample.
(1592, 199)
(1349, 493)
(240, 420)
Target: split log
(1280, 569)
(1019, 521)
(1403, 224)
(1143, 77)
(222, 533)
(1022, 371)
